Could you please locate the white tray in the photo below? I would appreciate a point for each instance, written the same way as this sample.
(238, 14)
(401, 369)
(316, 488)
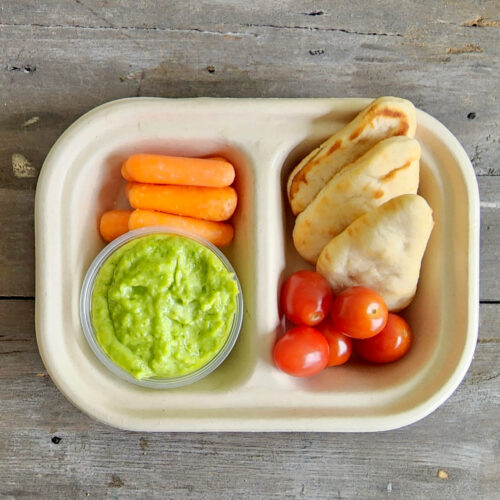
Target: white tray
(264, 138)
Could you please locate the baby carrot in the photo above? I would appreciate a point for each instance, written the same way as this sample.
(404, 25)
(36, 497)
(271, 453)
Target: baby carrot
(159, 169)
(125, 174)
(114, 223)
(219, 233)
(207, 203)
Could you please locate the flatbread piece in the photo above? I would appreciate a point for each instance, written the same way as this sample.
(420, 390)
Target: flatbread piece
(381, 250)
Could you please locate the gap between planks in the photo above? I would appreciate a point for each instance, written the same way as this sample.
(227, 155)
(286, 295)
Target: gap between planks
(17, 297)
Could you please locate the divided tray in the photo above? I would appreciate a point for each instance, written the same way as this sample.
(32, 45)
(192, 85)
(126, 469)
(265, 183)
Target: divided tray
(264, 139)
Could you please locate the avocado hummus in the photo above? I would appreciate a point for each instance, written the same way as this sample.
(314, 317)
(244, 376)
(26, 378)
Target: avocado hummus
(163, 306)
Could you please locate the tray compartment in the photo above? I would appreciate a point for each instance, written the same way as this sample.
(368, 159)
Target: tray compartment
(439, 340)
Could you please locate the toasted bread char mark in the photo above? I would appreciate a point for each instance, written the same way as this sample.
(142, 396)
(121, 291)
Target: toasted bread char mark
(336, 145)
(389, 113)
(389, 169)
(394, 172)
(301, 176)
(299, 179)
(382, 118)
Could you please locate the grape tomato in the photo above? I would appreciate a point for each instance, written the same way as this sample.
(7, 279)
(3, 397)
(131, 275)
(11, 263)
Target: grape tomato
(301, 352)
(359, 312)
(340, 344)
(306, 298)
(391, 344)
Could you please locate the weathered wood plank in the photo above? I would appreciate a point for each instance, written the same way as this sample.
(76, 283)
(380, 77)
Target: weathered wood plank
(489, 192)
(176, 55)
(17, 247)
(355, 16)
(95, 459)
(17, 259)
(172, 58)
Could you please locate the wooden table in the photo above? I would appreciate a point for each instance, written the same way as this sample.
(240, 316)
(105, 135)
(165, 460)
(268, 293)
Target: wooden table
(60, 58)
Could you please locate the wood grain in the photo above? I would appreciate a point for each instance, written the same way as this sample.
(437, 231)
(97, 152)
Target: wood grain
(95, 459)
(17, 259)
(352, 49)
(58, 59)
(17, 247)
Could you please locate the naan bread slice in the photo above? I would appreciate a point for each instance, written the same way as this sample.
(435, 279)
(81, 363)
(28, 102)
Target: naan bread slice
(381, 250)
(384, 117)
(389, 169)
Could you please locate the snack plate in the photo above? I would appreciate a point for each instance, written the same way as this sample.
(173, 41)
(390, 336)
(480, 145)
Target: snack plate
(264, 139)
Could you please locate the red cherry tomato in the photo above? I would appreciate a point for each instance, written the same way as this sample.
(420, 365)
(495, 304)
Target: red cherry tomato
(301, 352)
(306, 298)
(391, 344)
(359, 312)
(340, 345)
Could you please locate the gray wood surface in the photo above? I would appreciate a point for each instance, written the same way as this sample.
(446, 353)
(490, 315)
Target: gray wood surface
(60, 58)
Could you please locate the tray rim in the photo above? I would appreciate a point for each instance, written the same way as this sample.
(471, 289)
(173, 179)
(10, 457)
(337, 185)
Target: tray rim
(369, 423)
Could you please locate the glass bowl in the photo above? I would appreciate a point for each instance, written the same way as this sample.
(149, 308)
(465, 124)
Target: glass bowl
(90, 334)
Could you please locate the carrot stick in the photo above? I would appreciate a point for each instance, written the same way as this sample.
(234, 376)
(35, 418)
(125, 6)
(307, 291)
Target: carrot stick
(114, 223)
(207, 203)
(159, 169)
(219, 233)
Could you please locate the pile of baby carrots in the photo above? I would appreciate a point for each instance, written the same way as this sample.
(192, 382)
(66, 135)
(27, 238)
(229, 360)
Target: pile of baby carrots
(191, 194)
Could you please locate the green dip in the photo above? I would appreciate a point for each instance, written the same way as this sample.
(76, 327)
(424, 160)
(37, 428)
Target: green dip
(163, 306)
